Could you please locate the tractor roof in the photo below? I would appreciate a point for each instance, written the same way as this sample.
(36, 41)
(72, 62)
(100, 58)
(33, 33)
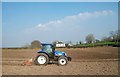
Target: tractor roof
(43, 44)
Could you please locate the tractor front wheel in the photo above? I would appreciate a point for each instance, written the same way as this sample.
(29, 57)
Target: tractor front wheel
(62, 61)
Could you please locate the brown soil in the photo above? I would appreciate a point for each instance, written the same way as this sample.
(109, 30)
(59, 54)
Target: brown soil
(85, 61)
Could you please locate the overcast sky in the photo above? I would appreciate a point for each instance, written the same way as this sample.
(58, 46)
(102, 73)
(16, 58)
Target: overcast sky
(64, 21)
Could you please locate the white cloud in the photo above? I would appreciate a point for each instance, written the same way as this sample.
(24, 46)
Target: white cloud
(87, 15)
(74, 27)
(68, 20)
(40, 26)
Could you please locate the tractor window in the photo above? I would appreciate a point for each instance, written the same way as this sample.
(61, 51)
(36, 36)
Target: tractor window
(48, 49)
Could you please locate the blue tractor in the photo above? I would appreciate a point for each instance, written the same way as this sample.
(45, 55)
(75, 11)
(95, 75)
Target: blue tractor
(48, 53)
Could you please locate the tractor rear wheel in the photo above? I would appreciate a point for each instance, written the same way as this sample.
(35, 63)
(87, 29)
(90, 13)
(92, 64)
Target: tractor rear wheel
(42, 59)
(62, 61)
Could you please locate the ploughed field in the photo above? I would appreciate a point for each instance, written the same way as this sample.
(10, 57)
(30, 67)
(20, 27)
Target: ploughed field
(85, 61)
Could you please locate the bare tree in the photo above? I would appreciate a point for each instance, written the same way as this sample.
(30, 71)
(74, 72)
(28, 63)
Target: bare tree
(90, 38)
(115, 35)
(35, 44)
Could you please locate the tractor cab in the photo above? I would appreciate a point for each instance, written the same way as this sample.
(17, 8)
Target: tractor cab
(49, 49)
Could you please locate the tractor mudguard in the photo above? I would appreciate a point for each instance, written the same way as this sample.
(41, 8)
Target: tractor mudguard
(44, 53)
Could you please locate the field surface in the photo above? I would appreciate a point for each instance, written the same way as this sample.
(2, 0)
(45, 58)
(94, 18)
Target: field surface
(85, 61)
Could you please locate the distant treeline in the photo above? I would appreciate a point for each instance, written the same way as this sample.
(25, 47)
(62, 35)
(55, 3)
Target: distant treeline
(98, 44)
(112, 40)
(15, 48)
